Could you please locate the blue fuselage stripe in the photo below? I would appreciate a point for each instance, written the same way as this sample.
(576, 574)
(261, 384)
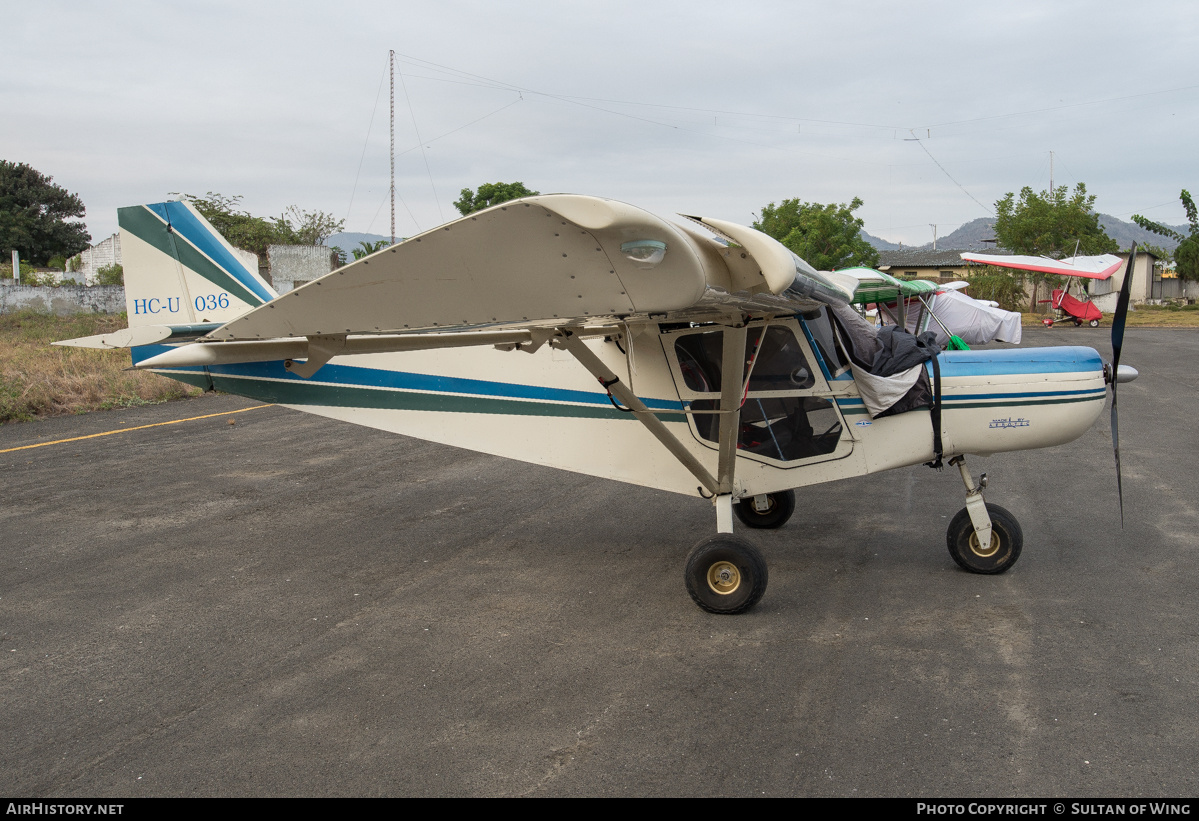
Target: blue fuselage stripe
(353, 376)
(1075, 359)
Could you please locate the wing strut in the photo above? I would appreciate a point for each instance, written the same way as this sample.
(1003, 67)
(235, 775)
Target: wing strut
(732, 389)
(574, 346)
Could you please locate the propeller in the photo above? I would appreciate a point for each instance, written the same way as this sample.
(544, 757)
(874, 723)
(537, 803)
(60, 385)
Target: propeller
(1114, 378)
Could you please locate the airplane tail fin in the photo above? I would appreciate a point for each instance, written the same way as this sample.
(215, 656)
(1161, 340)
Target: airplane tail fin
(180, 271)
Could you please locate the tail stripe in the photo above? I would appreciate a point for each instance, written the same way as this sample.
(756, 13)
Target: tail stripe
(151, 227)
(185, 222)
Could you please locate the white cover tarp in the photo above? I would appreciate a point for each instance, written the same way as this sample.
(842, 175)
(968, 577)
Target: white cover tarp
(974, 321)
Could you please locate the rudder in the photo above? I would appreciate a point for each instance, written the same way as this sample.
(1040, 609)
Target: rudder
(179, 270)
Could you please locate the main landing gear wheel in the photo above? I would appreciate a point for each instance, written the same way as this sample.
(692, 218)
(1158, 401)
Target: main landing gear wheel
(725, 575)
(1006, 541)
(779, 507)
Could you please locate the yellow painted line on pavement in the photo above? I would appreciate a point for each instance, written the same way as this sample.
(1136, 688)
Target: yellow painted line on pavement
(139, 427)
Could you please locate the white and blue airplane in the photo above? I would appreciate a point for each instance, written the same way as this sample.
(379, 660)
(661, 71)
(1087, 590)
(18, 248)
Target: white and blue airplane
(590, 335)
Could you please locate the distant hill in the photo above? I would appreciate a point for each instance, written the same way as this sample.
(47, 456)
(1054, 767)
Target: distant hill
(1126, 233)
(879, 243)
(970, 236)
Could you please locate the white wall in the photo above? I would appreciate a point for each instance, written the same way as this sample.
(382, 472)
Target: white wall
(63, 300)
(295, 265)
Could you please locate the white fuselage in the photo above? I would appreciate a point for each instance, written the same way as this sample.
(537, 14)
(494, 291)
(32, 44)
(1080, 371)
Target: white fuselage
(546, 409)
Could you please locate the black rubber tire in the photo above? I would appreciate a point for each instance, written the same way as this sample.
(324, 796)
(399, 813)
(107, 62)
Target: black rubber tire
(738, 560)
(1077, 323)
(782, 505)
(1007, 539)
(1094, 323)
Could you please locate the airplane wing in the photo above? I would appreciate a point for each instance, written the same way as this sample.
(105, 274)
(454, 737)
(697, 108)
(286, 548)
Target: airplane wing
(546, 261)
(1096, 267)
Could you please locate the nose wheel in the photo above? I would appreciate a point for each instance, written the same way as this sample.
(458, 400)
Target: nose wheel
(998, 555)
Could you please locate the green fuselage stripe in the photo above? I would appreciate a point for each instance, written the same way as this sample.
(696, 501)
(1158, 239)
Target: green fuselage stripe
(290, 392)
(950, 405)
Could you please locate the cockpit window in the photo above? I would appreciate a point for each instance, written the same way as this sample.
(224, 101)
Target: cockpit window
(773, 424)
(821, 329)
(779, 365)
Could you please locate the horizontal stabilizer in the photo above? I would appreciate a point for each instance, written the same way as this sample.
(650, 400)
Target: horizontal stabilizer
(141, 335)
(1097, 267)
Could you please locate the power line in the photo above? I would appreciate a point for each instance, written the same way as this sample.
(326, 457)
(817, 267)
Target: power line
(365, 143)
(946, 172)
(493, 83)
(423, 154)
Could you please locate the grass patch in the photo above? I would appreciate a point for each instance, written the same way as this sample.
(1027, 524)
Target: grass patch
(38, 379)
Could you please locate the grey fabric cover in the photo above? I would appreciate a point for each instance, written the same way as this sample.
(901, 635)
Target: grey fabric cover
(900, 350)
(909, 387)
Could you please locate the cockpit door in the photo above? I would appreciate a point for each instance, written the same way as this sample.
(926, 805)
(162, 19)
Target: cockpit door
(788, 416)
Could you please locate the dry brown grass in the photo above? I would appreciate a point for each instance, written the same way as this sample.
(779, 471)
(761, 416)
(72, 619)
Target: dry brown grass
(38, 379)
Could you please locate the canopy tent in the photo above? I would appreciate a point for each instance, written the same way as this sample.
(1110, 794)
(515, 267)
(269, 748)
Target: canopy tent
(928, 307)
(871, 286)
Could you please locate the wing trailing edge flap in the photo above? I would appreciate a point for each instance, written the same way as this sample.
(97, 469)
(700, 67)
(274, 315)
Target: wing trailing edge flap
(316, 351)
(544, 261)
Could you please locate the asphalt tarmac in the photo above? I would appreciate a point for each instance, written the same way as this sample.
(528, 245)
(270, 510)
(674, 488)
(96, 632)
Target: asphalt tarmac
(266, 603)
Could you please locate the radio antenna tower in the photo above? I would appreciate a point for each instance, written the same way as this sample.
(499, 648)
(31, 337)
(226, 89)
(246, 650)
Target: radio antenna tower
(391, 63)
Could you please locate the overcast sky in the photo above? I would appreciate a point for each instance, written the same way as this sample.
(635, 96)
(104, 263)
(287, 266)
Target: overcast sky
(927, 111)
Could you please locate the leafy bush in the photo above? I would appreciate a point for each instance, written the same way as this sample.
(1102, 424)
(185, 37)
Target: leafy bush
(999, 287)
(45, 279)
(28, 275)
(111, 275)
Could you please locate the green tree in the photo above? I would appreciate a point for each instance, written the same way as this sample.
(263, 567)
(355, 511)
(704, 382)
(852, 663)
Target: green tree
(998, 286)
(239, 227)
(307, 227)
(1051, 224)
(243, 230)
(35, 215)
(365, 249)
(489, 194)
(1186, 255)
(827, 237)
